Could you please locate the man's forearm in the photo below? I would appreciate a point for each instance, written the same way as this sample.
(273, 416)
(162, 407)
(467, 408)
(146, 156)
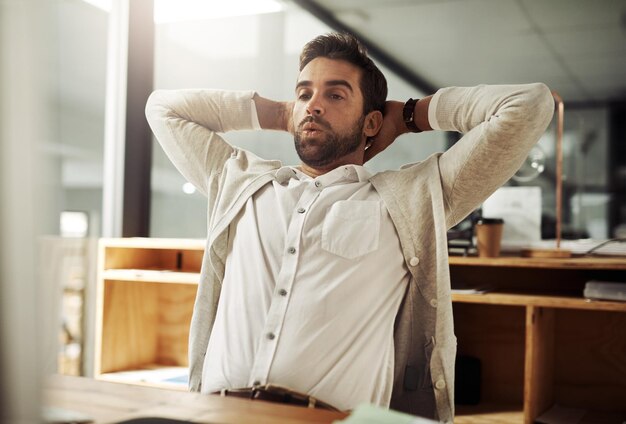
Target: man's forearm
(500, 124)
(273, 115)
(187, 124)
(394, 126)
(394, 112)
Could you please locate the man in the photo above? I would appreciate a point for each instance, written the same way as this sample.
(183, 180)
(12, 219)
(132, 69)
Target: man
(322, 277)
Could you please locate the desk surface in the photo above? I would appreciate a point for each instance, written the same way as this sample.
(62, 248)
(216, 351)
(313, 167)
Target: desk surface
(107, 402)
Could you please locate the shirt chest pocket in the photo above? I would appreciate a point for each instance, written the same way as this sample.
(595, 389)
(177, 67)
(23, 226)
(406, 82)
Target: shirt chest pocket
(351, 228)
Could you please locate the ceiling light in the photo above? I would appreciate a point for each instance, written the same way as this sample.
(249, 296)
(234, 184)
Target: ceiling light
(189, 188)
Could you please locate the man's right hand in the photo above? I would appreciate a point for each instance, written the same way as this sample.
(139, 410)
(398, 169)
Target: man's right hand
(274, 115)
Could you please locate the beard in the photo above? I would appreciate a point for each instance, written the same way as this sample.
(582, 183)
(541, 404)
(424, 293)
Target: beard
(329, 146)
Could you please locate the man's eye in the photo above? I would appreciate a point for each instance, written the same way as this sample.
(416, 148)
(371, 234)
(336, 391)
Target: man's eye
(304, 96)
(336, 96)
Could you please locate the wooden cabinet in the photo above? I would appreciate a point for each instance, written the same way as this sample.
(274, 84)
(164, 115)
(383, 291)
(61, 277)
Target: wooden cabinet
(146, 291)
(539, 342)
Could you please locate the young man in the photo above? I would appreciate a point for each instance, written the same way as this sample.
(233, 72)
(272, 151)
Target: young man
(322, 277)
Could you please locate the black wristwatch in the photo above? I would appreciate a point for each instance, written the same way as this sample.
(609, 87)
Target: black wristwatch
(408, 115)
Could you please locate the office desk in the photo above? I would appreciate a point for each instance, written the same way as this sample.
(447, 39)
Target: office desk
(107, 402)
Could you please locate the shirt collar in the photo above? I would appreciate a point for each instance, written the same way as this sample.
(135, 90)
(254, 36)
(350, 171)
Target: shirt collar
(285, 173)
(340, 175)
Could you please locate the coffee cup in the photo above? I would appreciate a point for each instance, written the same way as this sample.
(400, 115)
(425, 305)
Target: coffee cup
(489, 237)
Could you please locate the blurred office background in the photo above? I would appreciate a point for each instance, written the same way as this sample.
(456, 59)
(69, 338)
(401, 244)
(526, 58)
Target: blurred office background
(78, 162)
(577, 48)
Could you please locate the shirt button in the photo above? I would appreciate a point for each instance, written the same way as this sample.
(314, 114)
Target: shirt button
(414, 261)
(271, 336)
(318, 184)
(282, 292)
(433, 303)
(301, 210)
(291, 250)
(440, 384)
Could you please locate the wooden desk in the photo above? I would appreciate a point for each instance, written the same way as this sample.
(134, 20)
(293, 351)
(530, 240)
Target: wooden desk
(108, 402)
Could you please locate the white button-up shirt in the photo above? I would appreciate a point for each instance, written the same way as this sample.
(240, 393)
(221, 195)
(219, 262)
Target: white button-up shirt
(314, 279)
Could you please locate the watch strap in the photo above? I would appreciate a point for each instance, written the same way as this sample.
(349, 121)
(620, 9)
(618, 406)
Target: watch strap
(408, 113)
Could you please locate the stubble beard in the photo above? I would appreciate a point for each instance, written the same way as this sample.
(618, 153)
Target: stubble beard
(323, 151)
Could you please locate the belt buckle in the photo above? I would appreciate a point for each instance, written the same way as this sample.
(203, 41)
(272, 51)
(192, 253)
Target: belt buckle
(304, 399)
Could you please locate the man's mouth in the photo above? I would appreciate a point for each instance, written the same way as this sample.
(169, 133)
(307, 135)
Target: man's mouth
(310, 128)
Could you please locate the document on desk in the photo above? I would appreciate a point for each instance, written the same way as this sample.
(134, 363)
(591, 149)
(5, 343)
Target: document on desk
(580, 247)
(370, 414)
(51, 415)
(153, 374)
(471, 290)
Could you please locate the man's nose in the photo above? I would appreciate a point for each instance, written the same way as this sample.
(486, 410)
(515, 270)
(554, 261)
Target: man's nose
(315, 107)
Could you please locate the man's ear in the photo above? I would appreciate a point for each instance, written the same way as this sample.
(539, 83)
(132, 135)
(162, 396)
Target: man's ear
(373, 123)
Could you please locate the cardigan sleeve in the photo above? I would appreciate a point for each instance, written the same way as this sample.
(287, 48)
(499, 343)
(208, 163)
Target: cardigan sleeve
(187, 124)
(500, 124)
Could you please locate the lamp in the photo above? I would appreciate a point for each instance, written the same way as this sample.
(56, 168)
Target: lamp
(556, 252)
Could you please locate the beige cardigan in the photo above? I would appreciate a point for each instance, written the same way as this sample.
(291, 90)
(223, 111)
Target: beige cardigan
(500, 125)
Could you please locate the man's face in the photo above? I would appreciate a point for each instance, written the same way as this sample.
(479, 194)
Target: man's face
(328, 113)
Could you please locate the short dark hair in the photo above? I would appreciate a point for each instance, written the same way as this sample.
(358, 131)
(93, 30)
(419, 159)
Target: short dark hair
(344, 46)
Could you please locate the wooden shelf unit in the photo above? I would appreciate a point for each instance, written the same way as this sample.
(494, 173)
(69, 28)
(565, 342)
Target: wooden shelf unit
(539, 342)
(146, 291)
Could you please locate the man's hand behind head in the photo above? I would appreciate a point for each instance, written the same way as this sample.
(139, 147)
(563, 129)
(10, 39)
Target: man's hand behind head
(274, 115)
(393, 126)
(287, 118)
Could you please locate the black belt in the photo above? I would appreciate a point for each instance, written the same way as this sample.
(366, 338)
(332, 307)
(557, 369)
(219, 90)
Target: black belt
(277, 394)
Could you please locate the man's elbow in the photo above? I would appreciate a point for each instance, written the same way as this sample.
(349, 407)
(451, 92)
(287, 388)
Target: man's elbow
(541, 104)
(154, 103)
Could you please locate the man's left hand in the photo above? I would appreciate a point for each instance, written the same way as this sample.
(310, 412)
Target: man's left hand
(393, 126)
